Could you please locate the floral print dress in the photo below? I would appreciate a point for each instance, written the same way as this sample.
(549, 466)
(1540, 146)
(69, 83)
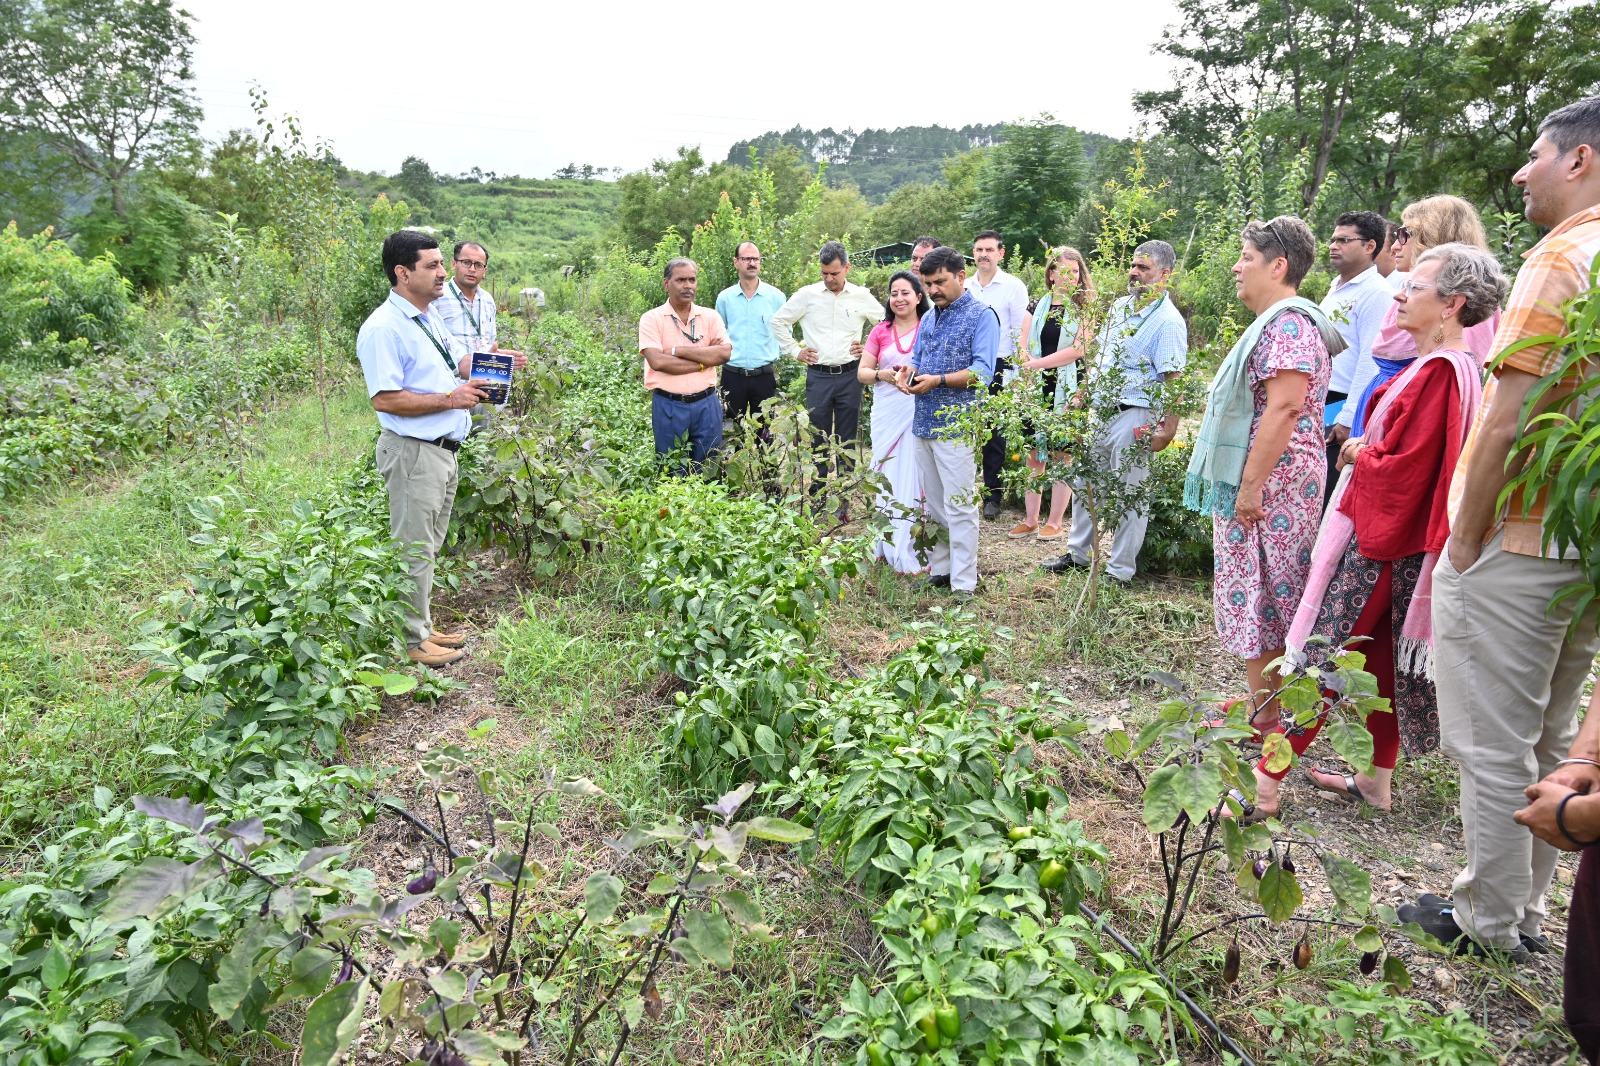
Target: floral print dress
(1261, 570)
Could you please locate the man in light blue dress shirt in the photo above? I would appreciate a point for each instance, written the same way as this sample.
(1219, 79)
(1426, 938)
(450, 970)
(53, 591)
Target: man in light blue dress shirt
(1145, 337)
(750, 378)
(414, 369)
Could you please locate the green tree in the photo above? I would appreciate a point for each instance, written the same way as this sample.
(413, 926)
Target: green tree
(104, 83)
(843, 213)
(675, 194)
(35, 181)
(1508, 72)
(416, 180)
(917, 209)
(1031, 185)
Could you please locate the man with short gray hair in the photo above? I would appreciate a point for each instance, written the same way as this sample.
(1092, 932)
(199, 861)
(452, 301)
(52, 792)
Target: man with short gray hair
(682, 344)
(1146, 338)
(833, 316)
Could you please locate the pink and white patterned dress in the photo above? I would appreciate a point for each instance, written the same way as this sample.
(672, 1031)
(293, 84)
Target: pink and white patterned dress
(1261, 570)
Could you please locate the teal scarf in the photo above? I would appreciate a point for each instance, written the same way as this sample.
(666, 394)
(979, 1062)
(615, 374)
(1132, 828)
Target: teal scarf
(1216, 464)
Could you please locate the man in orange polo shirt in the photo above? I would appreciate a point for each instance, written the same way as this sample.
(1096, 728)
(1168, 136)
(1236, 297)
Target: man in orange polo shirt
(682, 344)
(1510, 669)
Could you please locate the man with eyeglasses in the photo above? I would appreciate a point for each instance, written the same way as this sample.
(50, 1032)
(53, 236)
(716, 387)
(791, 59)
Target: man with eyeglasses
(1356, 303)
(750, 378)
(468, 312)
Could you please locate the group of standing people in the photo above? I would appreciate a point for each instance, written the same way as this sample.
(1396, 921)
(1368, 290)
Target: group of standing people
(1410, 397)
(1352, 457)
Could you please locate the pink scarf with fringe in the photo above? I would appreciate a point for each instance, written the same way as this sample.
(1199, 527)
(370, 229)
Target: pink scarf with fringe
(1413, 653)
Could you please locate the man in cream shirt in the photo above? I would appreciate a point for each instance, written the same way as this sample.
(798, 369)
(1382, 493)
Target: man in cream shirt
(833, 315)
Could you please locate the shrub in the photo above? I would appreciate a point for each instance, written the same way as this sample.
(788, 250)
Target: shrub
(56, 307)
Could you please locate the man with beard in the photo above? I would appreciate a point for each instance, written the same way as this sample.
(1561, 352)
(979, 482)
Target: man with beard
(1147, 340)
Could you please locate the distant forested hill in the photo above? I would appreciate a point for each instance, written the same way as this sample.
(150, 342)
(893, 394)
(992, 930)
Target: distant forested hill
(878, 161)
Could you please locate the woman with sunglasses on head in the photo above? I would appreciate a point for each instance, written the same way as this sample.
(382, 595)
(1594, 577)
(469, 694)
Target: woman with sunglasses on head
(1372, 575)
(1260, 460)
(1059, 325)
(1428, 223)
(888, 347)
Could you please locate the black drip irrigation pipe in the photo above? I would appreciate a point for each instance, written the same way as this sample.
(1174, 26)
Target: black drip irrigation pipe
(1194, 1008)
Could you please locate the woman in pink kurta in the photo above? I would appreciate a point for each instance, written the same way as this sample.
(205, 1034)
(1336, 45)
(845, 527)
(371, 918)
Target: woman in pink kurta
(1261, 568)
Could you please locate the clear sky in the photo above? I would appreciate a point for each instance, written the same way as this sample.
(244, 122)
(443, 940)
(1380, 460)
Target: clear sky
(527, 88)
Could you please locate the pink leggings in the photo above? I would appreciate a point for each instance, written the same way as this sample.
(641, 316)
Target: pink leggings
(1377, 622)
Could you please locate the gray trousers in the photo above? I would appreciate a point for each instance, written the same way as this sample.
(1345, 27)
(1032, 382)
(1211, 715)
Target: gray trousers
(833, 403)
(1109, 449)
(949, 473)
(1509, 678)
(421, 482)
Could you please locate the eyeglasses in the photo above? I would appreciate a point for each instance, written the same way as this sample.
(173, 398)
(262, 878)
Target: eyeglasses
(748, 258)
(1409, 288)
(1401, 236)
(472, 264)
(1346, 240)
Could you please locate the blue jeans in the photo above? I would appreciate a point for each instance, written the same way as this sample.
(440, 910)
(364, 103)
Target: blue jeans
(700, 422)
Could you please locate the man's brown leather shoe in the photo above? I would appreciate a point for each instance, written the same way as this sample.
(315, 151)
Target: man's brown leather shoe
(447, 640)
(430, 654)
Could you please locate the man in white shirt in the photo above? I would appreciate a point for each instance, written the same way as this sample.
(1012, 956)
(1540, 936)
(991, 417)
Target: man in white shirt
(413, 368)
(1357, 303)
(468, 311)
(833, 315)
(1009, 297)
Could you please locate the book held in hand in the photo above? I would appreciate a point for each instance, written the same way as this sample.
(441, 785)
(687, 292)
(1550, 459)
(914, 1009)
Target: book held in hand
(493, 368)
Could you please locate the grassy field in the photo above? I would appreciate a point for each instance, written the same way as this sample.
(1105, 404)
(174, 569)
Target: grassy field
(566, 666)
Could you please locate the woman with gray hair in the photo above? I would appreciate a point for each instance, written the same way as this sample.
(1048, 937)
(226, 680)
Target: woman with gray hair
(1260, 461)
(1372, 574)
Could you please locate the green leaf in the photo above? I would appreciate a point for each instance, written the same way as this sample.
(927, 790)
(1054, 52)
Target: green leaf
(1279, 894)
(332, 1022)
(1351, 885)
(998, 933)
(1368, 939)
(1351, 741)
(1199, 787)
(1232, 840)
(451, 985)
(398, 684)
(1117, 744)
(1162, 802)
(779, 829)
(711, 936)
(1396, 974)
(55, 968)
(744, 911)
(236, 972)
(601, 894)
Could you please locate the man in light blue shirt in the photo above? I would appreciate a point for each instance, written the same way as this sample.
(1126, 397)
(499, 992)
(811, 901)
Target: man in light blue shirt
(1357, 303)
(750, 378)
(1146, 338)
(414, 369)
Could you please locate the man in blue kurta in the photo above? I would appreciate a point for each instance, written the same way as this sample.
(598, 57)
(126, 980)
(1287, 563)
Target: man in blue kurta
(957, 344)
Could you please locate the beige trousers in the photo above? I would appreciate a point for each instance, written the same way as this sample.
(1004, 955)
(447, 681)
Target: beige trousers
(421, 482)
(1509, 677)
(949, 472)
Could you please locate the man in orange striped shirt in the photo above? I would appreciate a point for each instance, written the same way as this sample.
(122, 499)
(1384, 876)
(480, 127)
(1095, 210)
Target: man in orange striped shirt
(1509, 671)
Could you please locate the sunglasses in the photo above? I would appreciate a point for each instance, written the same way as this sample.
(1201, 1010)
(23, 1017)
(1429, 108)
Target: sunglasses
(1401, 236)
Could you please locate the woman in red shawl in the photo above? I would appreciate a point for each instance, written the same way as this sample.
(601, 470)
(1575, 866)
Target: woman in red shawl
(1372, 571)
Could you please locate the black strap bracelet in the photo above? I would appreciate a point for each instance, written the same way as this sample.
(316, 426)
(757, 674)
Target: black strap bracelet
(1561, 810)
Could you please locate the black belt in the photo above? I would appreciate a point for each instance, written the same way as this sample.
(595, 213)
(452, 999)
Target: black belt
(758, 372)
(835, 369)
(691, 397)
(444, 442)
